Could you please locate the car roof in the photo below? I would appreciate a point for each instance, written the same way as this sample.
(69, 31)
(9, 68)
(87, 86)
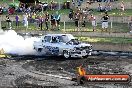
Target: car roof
(58, 34)
(68, 35)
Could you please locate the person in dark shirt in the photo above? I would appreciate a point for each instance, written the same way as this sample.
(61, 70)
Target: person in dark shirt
(105, 19)
(53, 21)
(41, 22)
(71, 14)
(46, 20)
(83, 25)
(8, 21)
(17, 20)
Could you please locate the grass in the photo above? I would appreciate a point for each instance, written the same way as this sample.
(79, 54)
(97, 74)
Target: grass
(115, 12)
(70, 26)
(62, 11)
(106, 40)
(10, 1)
(61, 1)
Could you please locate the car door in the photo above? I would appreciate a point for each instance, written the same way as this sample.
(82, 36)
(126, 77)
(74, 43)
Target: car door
(47, 45)
(54, 46)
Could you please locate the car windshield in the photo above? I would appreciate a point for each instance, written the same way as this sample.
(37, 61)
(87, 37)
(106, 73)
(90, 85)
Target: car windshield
(74, 41)
(63, 38)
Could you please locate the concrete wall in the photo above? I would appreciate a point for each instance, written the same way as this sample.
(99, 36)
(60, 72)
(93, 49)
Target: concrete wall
(114, 5)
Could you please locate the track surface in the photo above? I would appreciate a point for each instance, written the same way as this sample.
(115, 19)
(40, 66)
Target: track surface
(57, 72)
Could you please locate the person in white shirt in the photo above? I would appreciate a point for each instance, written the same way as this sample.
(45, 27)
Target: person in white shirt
(122, 7)
(93, 21)
(25, 19)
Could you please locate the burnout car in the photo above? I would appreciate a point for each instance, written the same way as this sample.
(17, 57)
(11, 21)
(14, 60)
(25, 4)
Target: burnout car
(62, 45)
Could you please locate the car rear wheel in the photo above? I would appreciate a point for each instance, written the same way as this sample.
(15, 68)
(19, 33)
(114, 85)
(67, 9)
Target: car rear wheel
(66, 54)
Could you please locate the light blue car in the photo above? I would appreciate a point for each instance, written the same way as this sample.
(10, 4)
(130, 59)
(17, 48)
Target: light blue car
(62, 45)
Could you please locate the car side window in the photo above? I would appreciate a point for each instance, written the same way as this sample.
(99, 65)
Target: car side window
(54, 40)
(47, 38)
(60, 39)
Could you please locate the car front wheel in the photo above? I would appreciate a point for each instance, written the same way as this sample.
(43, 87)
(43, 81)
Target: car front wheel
(66, 54)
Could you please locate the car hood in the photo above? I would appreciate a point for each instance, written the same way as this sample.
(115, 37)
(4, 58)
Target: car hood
(82, 45)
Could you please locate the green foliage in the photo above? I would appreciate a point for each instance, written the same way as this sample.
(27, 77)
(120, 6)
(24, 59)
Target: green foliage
(106, 40)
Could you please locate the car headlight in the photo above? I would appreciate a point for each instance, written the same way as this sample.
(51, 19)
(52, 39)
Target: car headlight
(77, 48)
(90, 47)
(74, 48)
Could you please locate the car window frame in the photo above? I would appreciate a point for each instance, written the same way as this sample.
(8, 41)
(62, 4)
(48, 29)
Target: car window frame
(49, 40)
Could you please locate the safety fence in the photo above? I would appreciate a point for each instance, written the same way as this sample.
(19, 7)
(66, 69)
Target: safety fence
(113, 27)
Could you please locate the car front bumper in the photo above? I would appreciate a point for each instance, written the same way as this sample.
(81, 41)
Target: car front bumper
(80, 53)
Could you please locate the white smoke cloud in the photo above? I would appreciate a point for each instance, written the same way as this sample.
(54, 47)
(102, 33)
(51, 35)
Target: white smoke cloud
(16, 44)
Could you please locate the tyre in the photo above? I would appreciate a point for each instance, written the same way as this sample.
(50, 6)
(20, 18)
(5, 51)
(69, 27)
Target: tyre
(85, 56)
(66, 54)
(81, 80)
(39, 49)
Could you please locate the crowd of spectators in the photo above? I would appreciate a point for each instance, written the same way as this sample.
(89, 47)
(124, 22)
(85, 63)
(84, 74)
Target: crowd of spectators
(40, 21)
(78, 15)
(106, 8)
(31, 7)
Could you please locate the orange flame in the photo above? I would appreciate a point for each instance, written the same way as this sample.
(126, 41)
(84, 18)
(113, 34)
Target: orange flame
(81, 71)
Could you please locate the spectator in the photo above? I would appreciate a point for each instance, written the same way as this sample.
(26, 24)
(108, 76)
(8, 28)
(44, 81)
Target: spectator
(17, 20)
(53, 21)
(46, 20)
(8, 22)
(4, 9)
(11, 10)
(100, 8)
(108, 7)
(1, 10)
(37, 21)
(41, 22)
(105, 22)
(83, 25)
(52, 5)
(130, 25)
(45, 6)
(93, 21)
(57, 17)
(71, 14)
(79, 2)
(76, 20)
(33, 17)
(73, 3)
(25, 20)
(122, 7)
